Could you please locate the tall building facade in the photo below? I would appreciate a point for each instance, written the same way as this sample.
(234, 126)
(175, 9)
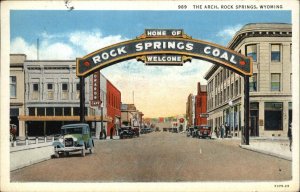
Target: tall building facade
(200, 105)
(16, 87)
(113, 98)
(51, 97)
(190, 110)
(196, 107)
(269, 45)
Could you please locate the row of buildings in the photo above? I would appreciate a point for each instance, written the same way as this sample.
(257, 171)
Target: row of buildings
(270, 46)
(44, 95)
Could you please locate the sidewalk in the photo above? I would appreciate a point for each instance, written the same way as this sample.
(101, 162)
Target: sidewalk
(278, 147)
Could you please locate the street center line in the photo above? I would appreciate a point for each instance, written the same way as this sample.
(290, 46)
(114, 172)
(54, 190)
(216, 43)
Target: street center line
(200, 151)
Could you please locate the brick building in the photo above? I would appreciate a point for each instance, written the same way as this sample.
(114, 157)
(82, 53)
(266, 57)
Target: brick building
(113, 106)
(200, 105)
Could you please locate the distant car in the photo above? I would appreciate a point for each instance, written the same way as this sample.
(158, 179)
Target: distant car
(157, 129)
(189, 131)
(204, 131)
(127, 132)
(74, 138)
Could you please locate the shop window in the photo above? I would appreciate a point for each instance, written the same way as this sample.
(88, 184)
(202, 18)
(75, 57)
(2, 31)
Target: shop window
(49, 111)
(251, 51)
(40, 111)
(67, 111)
(13, 86)
(76, 111)
(273, 116)
(275, 82)
(58, 111)
(275, 53)
(31, 111)
(253, 83)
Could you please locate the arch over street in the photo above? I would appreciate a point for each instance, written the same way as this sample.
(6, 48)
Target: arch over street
(166, 47)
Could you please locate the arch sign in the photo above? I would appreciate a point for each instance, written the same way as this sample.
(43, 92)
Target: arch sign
(163, 47)
(166, 47)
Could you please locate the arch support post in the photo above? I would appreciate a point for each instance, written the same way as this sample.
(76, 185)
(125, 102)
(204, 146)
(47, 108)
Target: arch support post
(245, 135)
(82, 99)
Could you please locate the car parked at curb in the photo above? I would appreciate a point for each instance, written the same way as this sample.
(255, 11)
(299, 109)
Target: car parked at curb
(204, 131)
(74, 138)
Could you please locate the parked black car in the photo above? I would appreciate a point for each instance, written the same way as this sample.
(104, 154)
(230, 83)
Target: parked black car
(127, 132)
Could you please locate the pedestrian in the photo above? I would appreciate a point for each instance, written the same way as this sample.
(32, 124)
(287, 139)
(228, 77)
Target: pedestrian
(290, 136)
(111, 132)
(222, 131)
(226, 130)
(216, 132)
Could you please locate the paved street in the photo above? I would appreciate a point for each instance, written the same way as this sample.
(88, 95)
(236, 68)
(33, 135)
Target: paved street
(160, 156)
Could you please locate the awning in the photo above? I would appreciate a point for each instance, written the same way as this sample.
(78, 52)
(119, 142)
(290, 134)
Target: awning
(64, 118)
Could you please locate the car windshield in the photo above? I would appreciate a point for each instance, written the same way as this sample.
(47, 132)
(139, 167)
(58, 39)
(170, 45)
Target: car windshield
(72, 130)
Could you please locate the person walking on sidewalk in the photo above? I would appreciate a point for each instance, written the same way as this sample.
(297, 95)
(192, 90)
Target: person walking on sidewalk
(222, 131)
(290, 136)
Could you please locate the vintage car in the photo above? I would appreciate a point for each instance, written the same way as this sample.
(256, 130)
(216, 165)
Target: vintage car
(127, 132)
(204, 131)
(74, 138)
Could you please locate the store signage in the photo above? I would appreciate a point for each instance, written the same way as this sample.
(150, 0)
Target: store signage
(96, 101)
(204, 115)
(170, 59)
(161, 45)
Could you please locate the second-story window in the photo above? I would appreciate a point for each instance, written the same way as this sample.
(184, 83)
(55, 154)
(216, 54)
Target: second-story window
(50, 90)
(275, 82)
(275, 53)
(35, 88)
(251, 51)
(65, 90)
(13, 86)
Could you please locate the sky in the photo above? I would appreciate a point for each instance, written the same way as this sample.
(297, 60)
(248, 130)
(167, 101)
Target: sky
(158, 91)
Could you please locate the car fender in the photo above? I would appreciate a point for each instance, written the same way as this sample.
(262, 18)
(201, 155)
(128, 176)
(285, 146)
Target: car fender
(58, 144)
(90, 143)
(81, 143)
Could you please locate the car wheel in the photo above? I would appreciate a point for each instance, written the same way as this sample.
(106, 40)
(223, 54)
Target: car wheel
(82, 152)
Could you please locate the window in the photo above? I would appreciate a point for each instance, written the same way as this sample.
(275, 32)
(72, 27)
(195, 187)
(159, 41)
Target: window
(231, 90)
(65, 93)
(275, 53)
(50, 91)
(50, 86)
(40, 111)
(49, 111)
(35, 87)
(13, 86)
(77, 87)
(35, 93)
(65, 87)
(251, 51)
(273, 116)
(31, 111)
(58, 111)
(67, 111)
(236, 87)
(253, 83)
(275, 82)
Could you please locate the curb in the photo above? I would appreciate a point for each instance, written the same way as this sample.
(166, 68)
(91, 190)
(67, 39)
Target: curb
(266, 152)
